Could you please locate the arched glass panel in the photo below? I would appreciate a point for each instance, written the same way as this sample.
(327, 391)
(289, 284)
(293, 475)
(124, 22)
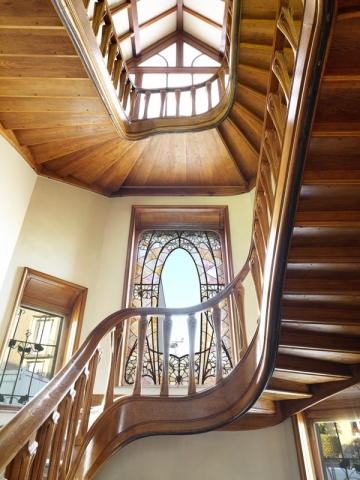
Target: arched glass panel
(153, 250)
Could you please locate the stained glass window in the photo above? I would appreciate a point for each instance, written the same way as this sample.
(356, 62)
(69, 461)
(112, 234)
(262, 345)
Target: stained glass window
(154, 247)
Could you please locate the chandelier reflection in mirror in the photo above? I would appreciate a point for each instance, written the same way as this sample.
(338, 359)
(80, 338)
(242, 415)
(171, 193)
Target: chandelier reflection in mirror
(154, 249)
(31, 356)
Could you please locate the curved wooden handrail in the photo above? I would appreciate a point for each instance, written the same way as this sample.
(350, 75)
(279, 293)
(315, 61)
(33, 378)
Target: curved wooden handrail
(134, 417)
(74, 17)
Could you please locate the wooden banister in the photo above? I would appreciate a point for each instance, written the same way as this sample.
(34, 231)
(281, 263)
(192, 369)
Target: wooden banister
(136, 416)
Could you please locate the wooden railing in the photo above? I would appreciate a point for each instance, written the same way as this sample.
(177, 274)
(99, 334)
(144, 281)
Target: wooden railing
(39, 429)
(99, 47)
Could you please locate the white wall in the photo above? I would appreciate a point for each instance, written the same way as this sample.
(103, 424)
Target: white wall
(17, 181)
(260, 454)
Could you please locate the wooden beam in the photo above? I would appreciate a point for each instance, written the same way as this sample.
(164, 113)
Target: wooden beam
(159, 17)
(134, 27)
(210, 70)
(180, 15)
(201, 17)
(126, 191)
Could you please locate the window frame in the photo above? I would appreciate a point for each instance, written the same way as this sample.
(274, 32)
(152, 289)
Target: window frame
(42, 291)
(153, 217)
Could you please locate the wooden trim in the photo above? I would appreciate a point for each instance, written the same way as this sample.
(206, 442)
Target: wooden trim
(134, 26)
(180, 15)
(129, 191)
(159, 17)
(180, 69)
(39, 290)
(201, 17)
(303, 447)
(223, 31)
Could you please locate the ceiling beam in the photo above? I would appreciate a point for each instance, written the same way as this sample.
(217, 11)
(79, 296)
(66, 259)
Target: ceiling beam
(180, 4)
(134, 27)
(201, 17)
(159, 17)
(210, 70)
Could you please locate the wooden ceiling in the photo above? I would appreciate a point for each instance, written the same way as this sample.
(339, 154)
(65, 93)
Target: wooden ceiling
(51, 112)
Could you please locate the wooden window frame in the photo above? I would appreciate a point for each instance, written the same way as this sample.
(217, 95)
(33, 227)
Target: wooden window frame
(145, 218)
(44, 292)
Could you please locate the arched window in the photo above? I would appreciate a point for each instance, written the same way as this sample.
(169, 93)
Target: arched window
(154, 248)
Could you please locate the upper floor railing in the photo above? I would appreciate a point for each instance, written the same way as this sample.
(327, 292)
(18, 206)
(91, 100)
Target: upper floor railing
(39, 429)
(99, 47)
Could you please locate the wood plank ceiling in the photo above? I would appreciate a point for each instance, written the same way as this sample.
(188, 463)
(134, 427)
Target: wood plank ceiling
(50, 111)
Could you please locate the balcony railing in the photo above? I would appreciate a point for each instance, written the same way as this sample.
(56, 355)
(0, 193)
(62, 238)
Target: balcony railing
(96, 39)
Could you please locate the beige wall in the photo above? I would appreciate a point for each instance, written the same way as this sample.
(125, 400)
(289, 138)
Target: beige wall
(17, 181)
(267, 454)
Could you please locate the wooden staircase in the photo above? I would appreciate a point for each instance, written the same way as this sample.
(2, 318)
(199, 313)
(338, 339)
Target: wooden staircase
(312, 319)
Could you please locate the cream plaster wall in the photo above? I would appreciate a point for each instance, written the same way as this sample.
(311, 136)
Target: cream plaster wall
(17, 181)
(260, 454)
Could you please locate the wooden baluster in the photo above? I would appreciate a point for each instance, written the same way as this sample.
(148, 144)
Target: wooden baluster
(117, 70)
(86, 4)
(142, 327)
(177, 100)
(193, 100)
(191, 321)
(127, 88)
(133, 97)
(19, 468)
(147, 100)
(259, 245)
(163, 95)
(123, 77)
(105, 38)
(216, 317)
(270, 147)
(208, 86)
(116, 341)
(43, 438)
(262, 215)
(281, 71)
(255, 272)
(113, 50)
(266, 183)
(64, 410)
(79, 388)
(276, 114)
(93, 363)
(240, 306)
(167, 327)
(222, 81)
(99, 11)
(287, 27)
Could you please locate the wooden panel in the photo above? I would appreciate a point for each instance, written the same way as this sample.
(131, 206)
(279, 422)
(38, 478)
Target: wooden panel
(252, 77)
(37, 42)
(22, 87)
(48, 151)
(45, 135)
(113, 177)
(28, 120)
(254, 101)
(250, 125)
(38, 21)
(157, 217)
(256, 56)
(94, 169)
(41, 67)
(66, 164)
(27, 8)
(258, 31)
(74, 105)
